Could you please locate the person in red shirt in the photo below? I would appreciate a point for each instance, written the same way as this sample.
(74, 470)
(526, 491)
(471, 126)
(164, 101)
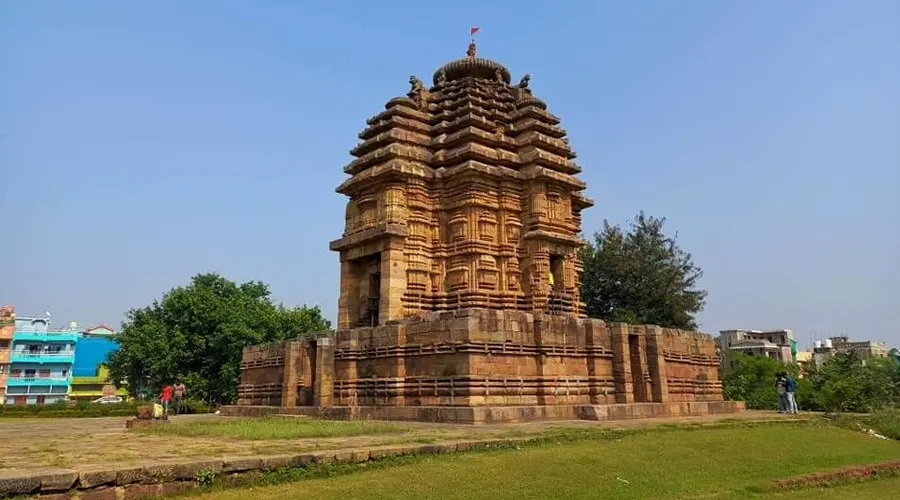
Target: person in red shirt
(166, 397)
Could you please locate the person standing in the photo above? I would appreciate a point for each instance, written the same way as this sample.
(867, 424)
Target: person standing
(790, 387)
(178, 393)
(781, 390)
(165, 396)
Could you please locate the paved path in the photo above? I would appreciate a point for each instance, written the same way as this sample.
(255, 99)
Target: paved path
(75, 442)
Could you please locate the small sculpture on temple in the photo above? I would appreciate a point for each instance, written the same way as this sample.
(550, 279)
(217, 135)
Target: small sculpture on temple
(498, 75)
(470, 53)
(442, 77)
(416, 85)
(523, 83)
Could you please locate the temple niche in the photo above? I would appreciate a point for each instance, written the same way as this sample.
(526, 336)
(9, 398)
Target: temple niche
(466, 194)
(459, 268)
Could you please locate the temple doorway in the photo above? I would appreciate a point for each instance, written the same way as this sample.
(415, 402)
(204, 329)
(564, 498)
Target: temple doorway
(364, 291)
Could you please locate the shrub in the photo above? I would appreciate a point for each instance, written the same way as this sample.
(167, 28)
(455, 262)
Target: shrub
(191, 406)
(63, 410)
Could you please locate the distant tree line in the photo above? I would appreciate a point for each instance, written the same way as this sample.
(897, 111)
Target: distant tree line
(843, 383)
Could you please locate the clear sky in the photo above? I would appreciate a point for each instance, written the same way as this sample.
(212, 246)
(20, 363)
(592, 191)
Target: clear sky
(144, 142)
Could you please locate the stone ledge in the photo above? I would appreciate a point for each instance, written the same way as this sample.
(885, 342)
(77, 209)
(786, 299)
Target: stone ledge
(498, 414)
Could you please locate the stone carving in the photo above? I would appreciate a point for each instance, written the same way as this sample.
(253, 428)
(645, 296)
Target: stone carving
(523, 83)
(442, 77)
(498, 75)
(416, 85)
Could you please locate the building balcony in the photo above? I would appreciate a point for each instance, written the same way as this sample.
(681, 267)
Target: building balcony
(35, 381)
(67, 357)
(64, 336)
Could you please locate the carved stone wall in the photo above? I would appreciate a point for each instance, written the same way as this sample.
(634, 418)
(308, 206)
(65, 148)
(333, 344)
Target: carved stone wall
(466, 194)
(486, 357)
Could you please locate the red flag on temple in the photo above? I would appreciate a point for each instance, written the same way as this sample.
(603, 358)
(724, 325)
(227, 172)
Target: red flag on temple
(474, 30)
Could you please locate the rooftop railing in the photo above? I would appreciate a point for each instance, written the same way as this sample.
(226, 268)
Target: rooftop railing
(43, 329)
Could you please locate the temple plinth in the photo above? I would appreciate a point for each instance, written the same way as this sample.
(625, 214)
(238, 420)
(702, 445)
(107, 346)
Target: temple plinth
(460, 280)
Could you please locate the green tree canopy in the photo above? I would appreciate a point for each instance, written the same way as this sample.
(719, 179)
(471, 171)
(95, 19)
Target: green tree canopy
(847, 383)
(752, 379)
(196, 333)
(639, 275)
(842, 383)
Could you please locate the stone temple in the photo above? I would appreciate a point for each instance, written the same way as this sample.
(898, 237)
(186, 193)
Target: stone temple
(459, 297)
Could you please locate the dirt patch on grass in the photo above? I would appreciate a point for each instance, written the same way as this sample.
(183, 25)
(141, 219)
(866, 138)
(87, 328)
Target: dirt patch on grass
(843, 475)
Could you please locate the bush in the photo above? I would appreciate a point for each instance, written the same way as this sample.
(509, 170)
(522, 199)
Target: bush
(63, 410)
(843, 383)
(191, 406)
(752, 380)
(846, 383)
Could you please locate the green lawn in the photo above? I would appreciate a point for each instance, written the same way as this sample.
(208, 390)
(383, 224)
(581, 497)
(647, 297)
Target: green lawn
(272, 428)
(871, 490)
(718, 462)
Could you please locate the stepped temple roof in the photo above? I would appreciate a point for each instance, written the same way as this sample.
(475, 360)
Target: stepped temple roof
(469, 186)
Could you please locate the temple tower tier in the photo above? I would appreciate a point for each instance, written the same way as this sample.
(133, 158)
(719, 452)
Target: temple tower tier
(461, 195)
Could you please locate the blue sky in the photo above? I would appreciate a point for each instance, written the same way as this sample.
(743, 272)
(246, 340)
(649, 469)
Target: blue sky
(144, 142)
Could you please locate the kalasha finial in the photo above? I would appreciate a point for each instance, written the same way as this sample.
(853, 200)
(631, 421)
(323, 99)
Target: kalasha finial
(471, 52)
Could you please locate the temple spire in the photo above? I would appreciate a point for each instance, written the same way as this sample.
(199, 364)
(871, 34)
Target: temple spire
(472, 49)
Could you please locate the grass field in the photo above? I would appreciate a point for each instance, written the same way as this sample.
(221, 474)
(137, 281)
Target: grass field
(274, 428)
(886, 422)
(873, 490)
(719, 462)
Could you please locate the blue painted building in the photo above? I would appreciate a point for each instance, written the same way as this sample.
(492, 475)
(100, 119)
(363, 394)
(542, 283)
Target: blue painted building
(40, 362)
(91, 377)
(92, 348)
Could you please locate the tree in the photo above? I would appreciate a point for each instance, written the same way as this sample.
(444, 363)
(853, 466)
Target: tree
(196, 333)
(641, 276)
(847, 383)
(752, 379)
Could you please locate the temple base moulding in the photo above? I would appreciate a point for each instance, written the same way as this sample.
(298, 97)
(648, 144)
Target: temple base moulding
(496, 414)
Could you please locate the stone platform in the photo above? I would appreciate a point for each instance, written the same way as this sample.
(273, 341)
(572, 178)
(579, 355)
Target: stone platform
(497, 414)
